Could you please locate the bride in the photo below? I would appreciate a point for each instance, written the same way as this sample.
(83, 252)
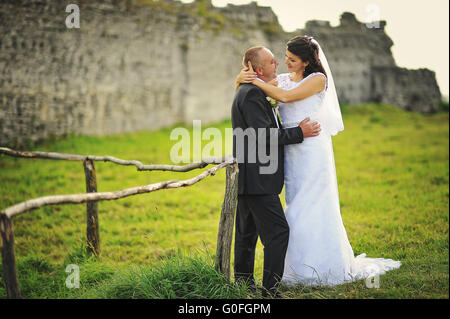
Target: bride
(319, 252)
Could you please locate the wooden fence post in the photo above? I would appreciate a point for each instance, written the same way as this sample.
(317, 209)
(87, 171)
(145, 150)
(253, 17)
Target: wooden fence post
(226, 225)
(92, 231)
(9, 258)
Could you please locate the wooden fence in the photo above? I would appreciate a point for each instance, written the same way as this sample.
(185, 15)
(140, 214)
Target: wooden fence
(91, 198)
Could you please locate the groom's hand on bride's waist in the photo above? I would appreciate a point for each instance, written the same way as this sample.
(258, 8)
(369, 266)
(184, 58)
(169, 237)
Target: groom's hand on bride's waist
(309, 129)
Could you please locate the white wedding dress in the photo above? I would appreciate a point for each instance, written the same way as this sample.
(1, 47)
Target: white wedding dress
(319, 252)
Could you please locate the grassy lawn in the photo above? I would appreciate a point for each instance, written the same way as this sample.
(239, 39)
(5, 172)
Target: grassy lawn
(393, 176)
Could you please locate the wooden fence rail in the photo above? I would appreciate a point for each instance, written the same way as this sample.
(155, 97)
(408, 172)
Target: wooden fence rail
(91, 198)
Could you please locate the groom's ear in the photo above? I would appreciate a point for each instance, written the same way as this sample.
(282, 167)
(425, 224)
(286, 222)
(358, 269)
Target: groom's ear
(258, 71)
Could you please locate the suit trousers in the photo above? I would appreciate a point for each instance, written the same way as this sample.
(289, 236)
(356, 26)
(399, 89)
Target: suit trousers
(261, 215)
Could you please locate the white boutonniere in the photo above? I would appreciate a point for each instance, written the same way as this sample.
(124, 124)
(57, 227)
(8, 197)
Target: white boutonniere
(273, 102)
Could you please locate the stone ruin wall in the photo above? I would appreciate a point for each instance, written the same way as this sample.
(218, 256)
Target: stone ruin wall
(364, 68)
(142, 65)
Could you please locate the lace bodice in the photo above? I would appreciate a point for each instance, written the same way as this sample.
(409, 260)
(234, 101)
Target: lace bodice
(294, 112)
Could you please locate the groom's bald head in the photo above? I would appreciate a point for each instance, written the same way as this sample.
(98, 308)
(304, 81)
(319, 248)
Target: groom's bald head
(253, 55)
(263, 62)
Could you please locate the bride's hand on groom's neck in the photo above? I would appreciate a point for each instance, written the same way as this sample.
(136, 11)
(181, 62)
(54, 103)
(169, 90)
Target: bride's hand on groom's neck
(247, 75)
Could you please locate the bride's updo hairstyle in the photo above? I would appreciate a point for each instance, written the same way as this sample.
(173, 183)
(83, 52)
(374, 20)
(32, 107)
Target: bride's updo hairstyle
(305, 49)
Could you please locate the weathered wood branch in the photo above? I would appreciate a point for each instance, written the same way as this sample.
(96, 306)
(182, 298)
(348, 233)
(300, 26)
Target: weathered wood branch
(92, 230)
(44, 155)
(140, 167)
(91, 198)
(35, 203)
(226, 224)
(193, 180)
(8, 258)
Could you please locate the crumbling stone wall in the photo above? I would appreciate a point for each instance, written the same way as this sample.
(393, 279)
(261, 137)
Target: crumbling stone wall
(144, 64)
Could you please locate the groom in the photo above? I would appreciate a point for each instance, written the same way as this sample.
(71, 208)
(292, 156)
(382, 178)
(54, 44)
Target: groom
(259, 210)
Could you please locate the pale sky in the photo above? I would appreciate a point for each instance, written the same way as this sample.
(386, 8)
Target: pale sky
(419, 29)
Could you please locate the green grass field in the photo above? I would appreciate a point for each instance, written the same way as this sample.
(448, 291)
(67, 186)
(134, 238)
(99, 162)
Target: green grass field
(393, 176)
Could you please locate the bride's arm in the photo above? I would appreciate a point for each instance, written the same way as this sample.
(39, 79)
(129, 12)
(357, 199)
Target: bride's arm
(247, 76)
(310, 87)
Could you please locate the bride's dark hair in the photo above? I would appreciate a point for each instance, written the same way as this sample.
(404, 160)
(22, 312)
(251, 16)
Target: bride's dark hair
(305, 49)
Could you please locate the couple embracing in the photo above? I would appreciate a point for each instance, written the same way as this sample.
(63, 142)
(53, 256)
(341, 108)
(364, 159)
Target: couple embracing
(306, 244)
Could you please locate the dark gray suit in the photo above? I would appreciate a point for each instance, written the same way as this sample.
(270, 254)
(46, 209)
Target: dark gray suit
(259, 210)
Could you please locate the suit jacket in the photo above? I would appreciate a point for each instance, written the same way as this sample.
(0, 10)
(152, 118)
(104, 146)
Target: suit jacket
(251, 109)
